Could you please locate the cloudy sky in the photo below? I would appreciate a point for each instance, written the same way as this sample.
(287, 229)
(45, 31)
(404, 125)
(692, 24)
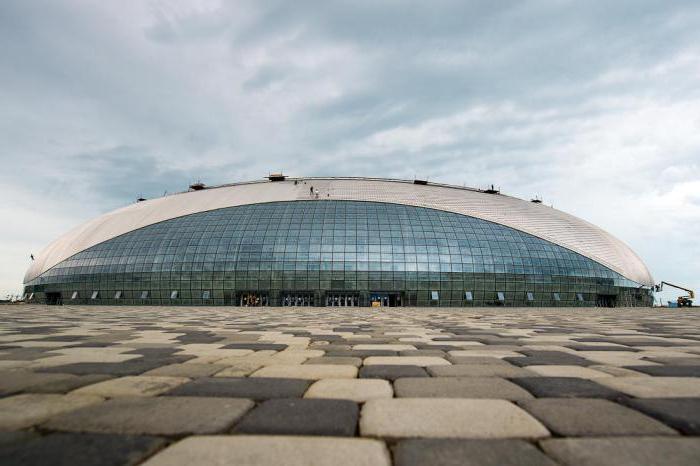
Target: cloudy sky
(594, 106)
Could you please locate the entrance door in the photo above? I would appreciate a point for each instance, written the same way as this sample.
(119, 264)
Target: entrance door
(252, 298)
(341, 299)
(54, 299)
(605, 300)
(385, 299)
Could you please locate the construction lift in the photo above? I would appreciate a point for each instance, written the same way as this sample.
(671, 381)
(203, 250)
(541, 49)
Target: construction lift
(683, 301)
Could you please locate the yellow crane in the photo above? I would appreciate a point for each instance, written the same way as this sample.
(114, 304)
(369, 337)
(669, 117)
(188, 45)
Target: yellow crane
(683, 301)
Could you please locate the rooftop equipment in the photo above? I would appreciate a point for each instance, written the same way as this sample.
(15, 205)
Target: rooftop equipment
(198, 186)
(422, 182)
(276, 177)
(492, 190)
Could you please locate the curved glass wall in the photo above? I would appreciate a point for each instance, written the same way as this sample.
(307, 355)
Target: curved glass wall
(333, 253)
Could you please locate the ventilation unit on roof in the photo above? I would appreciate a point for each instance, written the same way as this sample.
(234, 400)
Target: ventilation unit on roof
(492, 190)
(140, 199)
(417, 181)
(536, 201)
(198, 186)
(276, 177)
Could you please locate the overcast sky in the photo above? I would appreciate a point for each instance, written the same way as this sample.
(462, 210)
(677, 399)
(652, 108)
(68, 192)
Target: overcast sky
(592, 105)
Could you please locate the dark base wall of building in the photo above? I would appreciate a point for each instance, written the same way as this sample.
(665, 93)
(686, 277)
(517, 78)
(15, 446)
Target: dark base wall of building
(454, 290)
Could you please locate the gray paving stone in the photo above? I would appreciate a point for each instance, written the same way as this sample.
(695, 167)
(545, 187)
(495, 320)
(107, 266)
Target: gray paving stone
(459, 387)
(540, 358)
(301, 417)
(391, 372)
(669, 370)
(478, 360)
(138, 385)
(682, 414)
(453, 452)
(159, 416)
(624, 451)
(566, 387)
(307, 371)
(447, 418)
(68, 449)
(258, 388)
(26, 410)
(33, 382)
(480, 370)
(592, 417)
(251, 450)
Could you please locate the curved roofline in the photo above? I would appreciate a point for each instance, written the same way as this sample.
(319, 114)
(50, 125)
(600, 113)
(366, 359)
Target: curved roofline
(538, 220)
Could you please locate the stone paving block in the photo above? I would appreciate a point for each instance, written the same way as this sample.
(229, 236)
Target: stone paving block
(250, 450)
(67, 449)
(567, 371)
(359, 390)
(301, 417)
(158, 416)
(308, 371)
(255, 346)
(459, 387)
(624, 451)
(186, 370)
(655, 387)
(682, 414)
(592, 418)
(668, 370)
(241, 369)
(133, 367)
(26, 381)
(141, 385)
(424, 352)
(421, 361)
(478, 361)
(480, 370)
(541, 358)
(21, 411)
(567, 387)
(357, 362)
(258, 388)
(361, 353)
(491, 353)
(616, 358)
(447, 418)
(15, 437)
(391, 372)
(461, 452)
(394, 347)
(617, 371)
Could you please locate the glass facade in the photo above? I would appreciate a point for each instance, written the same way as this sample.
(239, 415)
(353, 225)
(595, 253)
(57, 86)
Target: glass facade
(337, 253)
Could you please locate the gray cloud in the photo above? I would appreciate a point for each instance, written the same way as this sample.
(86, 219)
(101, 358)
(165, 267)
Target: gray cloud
(594, 106)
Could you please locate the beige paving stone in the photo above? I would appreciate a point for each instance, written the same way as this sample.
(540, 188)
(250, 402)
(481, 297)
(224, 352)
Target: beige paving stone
(567, 371)
(422, 361)
(186, 370)
(448, 418)
(9, 364)
(141, 385)
(22, 411)
(480, 370)
(241, 369)
(618, 371)
(359, 390)
(265, 360)
(352, 361)
(252, 450)
(655, 387)
(308, 371)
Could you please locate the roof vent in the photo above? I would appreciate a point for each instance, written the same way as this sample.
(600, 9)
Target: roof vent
(198, 186)
(423, 182)
(492, 190)
(276, 177)
(140, 199)
(536, 201)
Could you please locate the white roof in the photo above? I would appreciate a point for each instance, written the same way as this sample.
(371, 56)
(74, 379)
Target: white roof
(536, 219)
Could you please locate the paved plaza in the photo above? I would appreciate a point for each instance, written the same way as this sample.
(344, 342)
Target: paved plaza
(351, 386)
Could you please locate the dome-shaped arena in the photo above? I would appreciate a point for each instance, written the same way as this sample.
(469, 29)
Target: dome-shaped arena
(338, 242)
